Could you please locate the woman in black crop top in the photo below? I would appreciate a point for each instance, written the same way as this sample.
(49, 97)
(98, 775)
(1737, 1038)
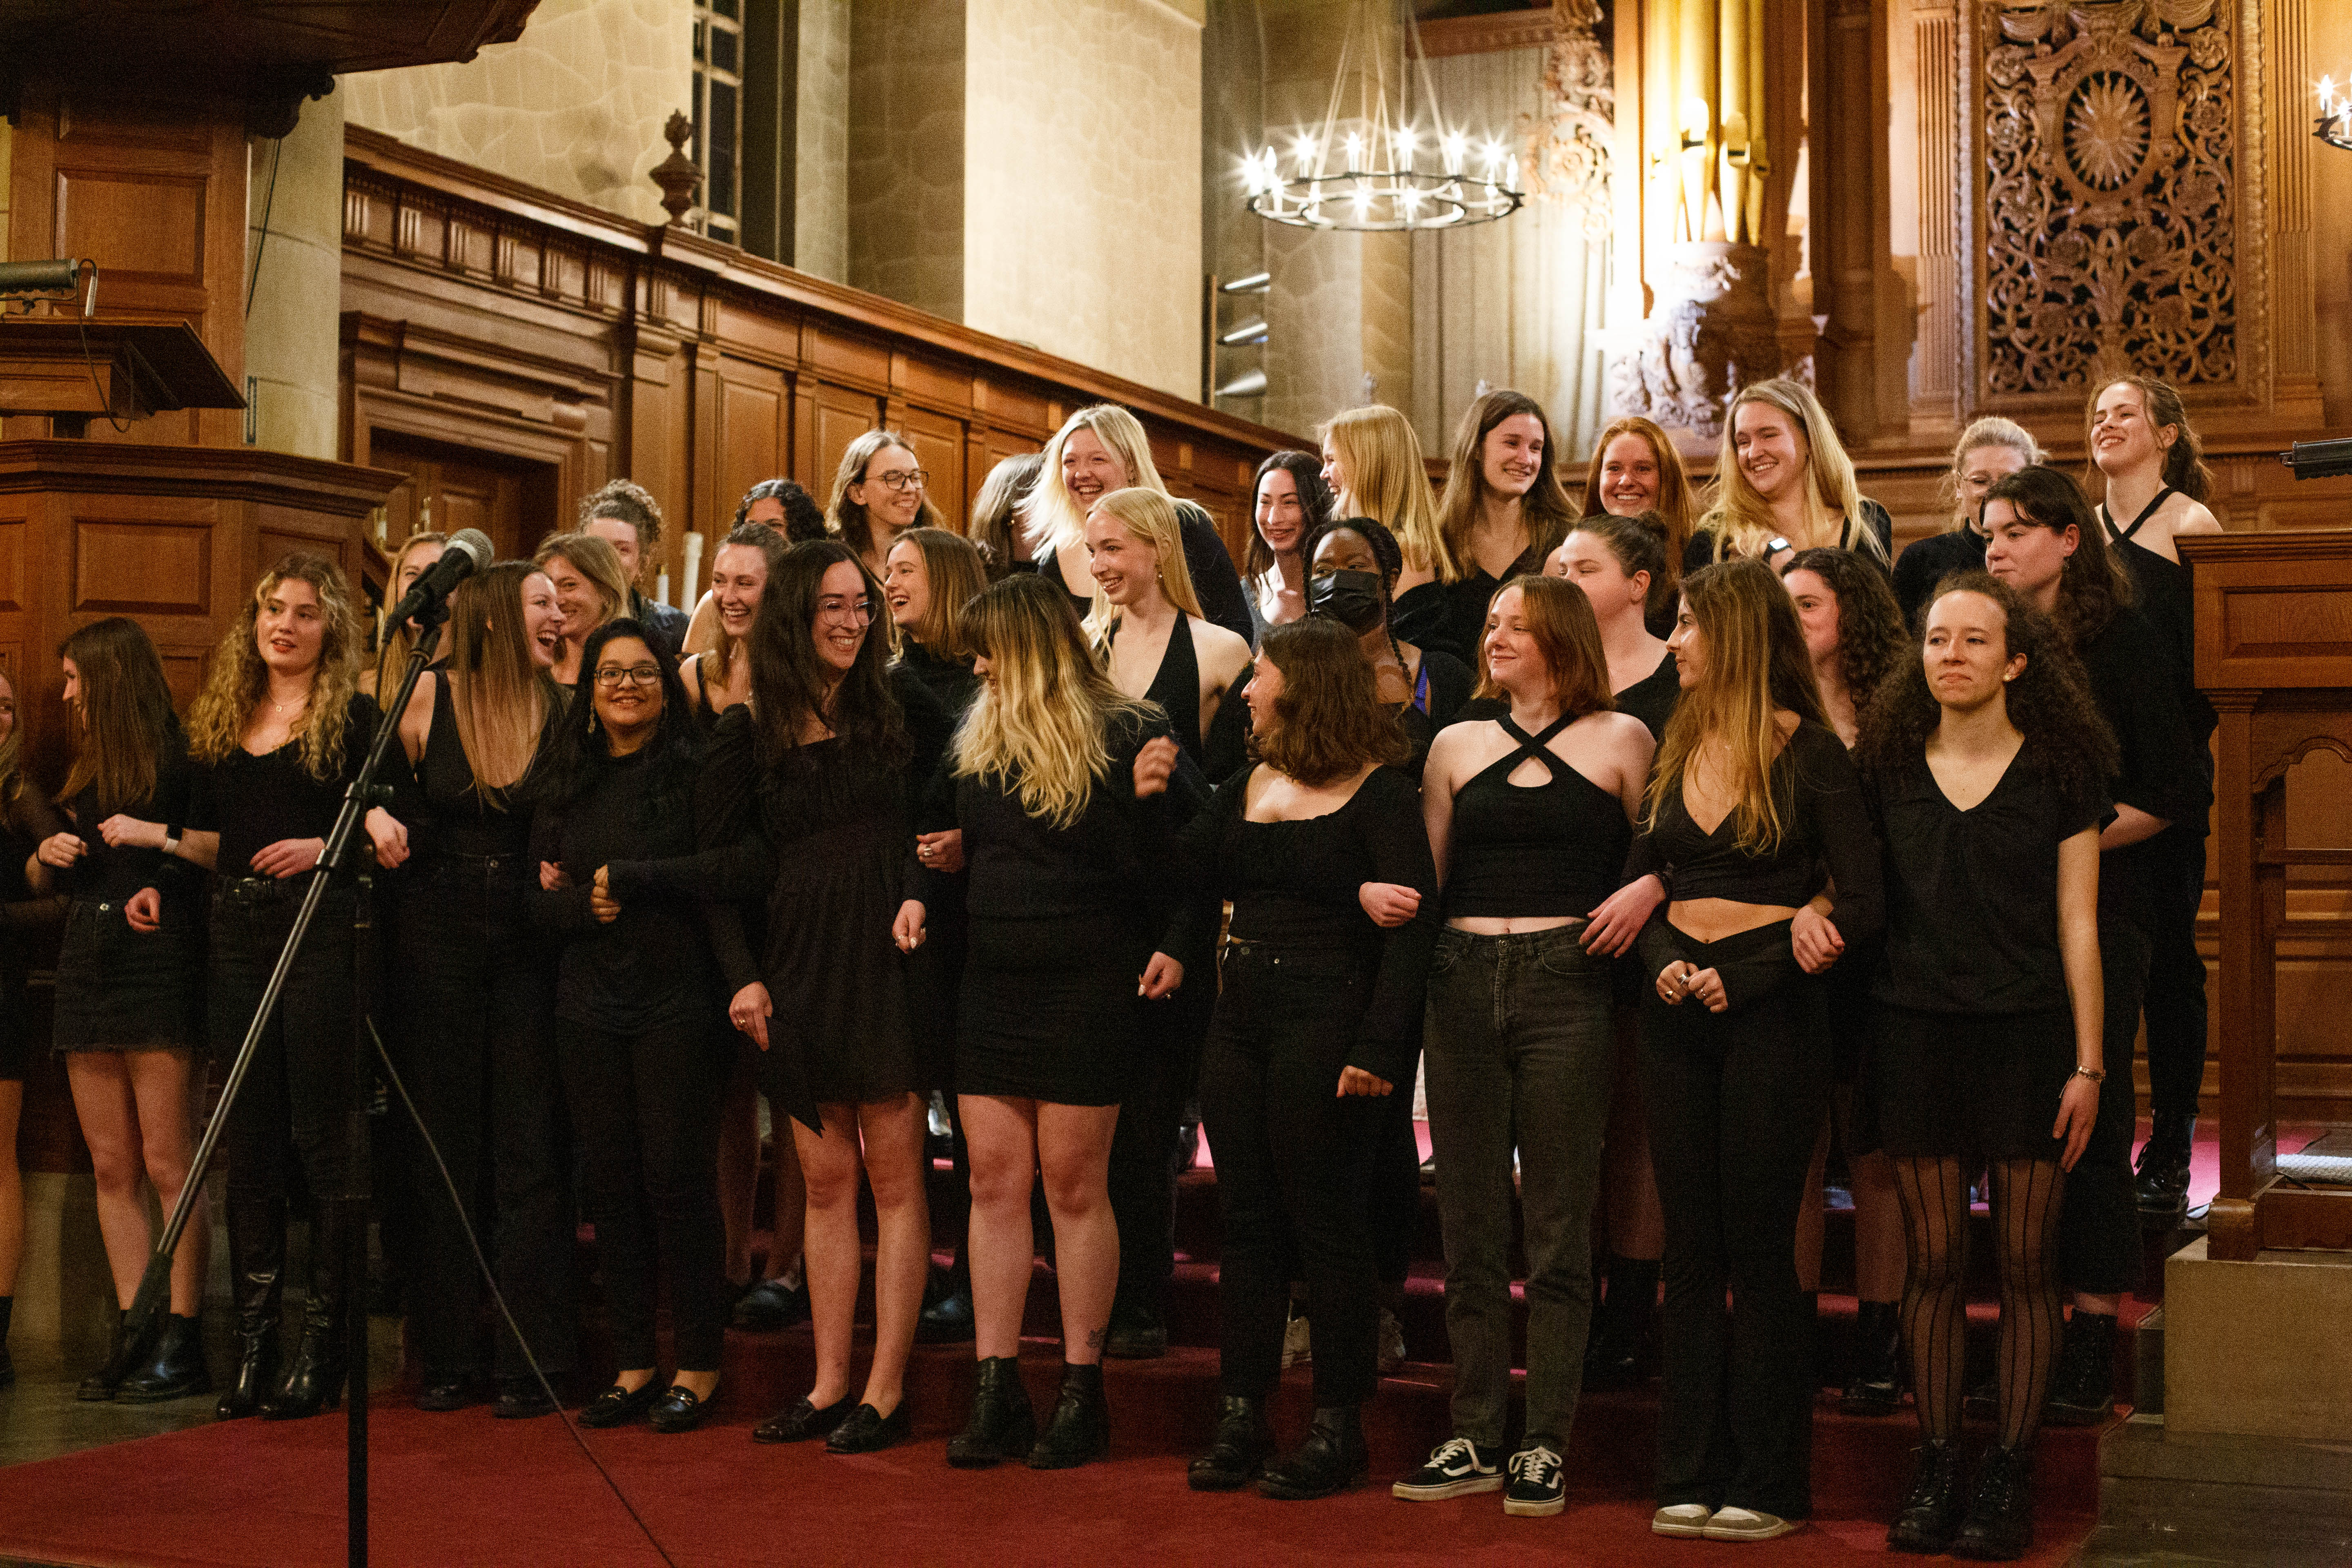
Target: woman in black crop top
(1317, 1019)
(278, 735)
(1735, 1054)
(1986, 764)
(130, 977)
(1529, 816)
(479, 1058)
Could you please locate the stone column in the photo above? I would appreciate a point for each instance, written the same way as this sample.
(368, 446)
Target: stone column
(291, 334)
(906, 131)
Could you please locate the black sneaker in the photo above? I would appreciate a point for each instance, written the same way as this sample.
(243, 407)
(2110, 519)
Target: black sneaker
(1457, 1468)
(1538, 1487)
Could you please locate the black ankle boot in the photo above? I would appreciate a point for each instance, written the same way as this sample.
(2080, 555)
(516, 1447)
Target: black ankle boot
(1999, 1525)
(1239, 1450)
(176, 1370)
(1080, 1427)
(1003, 1426)
(1931, 1513)
(1332, 1459)
(256, 1257)
(123, 1354)
(1872, 1382)
(2163, 1184)
(2083, 1384)
(1620, 1323)
(314, 1377)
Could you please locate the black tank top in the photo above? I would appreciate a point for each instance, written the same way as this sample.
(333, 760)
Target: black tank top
(2164, 593)
(1554, 848)
(464, 823)
(1177, 685)
(706, 716)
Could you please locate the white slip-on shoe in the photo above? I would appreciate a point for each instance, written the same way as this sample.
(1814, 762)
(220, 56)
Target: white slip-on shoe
(1746, 1524)
(1687, 1519)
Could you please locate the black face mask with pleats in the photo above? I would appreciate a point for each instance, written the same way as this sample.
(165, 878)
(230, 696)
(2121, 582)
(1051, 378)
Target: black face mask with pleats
(1351, 598)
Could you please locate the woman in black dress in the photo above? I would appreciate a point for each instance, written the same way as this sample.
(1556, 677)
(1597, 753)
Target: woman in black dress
(129, 979)
(278, 735)
(1317, 1021)
(838, 745)
(638, 1042)
(1502, 511)
(477, 989)
(1066, 959)
(26, 818)
(1987, 764)
(929, 578)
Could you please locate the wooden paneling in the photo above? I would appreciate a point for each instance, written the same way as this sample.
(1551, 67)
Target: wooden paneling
(12, 532)
(842, 416)
(141, 566)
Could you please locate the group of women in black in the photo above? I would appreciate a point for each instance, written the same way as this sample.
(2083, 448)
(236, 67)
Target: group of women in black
(1716, 837)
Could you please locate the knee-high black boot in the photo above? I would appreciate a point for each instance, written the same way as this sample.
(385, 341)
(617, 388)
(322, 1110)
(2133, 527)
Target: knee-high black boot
(256, 1257)
(314, 1378)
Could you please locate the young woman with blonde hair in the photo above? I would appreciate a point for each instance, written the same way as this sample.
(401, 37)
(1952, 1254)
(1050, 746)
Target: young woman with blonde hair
(1146, 618)
(590, 588)
(1783, 482)
(1753, 795)
(1067, 956)
(878, 493)
(1989, 448)
(1372, 463)
(1636, 471)
(1100, 449)
(418, 554)
(1503, 511)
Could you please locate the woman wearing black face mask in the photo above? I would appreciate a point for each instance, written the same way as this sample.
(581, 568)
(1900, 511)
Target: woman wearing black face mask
(1355, 567)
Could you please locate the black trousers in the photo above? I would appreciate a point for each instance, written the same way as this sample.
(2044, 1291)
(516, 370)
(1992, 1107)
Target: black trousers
(479, 1060)
(2176, 975)
(1294, 1167)
(2098, 1225)
(1143, 1149)
(644, 1110)
(1735, 1100)
(1396, 1183)
(296, 1095)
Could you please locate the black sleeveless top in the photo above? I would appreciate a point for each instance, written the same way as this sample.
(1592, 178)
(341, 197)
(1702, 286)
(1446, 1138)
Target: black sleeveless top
(1552, 849)
(463, 822)
(2165, 596)
(1177, 687)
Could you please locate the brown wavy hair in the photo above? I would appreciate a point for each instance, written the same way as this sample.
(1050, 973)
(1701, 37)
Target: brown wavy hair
(1872, 639)
(1559, 618)
(2184, 460)
(238, 679)
(1639, 545)
(1544, 512)
(1677, 509)
(126, 717)
(1329, 719)
(2094, 584)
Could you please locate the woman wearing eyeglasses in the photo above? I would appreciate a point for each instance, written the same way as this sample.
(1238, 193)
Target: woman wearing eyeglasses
(877, 495)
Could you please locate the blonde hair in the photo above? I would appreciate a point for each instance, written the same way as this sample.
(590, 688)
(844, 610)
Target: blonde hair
(394, 644)
(1053, 514)
(500, 698)
(594, 559)
(846, 518)
(1741, 519)
(1040, 725)
(1150, 516)
(1544, 512)
(1388, 481)
(1677, 503)
(1992, 430)
(238, 681)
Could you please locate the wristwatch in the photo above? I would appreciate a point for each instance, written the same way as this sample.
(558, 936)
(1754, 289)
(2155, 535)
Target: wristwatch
(2097, 1074)
(171, 842)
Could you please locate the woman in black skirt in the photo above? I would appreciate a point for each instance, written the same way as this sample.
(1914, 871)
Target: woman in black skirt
(130, 981)
(1987, 764)
(477, 990)
(26, 819)
(1317, 1022)
(1065, 956)
(278, 735)
(839, 746)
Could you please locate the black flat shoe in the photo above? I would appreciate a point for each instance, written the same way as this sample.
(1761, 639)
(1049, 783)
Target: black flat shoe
(947, 1322)
(444, 1393)
(803, 1421)
(524, 1402)
(1238, 1450)
(1873, 1384)
(770, 1304)
(864, 1432)
(679, 1410)
(617, 1406)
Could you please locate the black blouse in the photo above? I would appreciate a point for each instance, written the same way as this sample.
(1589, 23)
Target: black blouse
(1295, 884)
(110, 875)
(1927, 561)
(1972, 896)
(254, 802)
(2163, 768)
(1653, 698)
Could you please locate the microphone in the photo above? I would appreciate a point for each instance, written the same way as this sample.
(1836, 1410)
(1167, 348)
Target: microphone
(468, 550)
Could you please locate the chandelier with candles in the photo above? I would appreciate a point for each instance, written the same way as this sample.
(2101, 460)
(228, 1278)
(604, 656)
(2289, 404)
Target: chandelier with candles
(2335, 115)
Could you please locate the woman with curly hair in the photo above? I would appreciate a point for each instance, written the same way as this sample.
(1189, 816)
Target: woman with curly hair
(278, 735)
(1636, 472)
(1987, 762)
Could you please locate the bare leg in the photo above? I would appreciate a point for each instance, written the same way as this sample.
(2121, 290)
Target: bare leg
(739, 1168)
(836, 1259)
(1878, 1253)
(100, 1081)
(1002, 1135)
(166, 1086)
(790, 1234)
(1074, 1156)
(902, 1251)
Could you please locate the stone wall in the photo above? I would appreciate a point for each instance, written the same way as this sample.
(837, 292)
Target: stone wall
(907, 129)
(292, 333)
(821, 143)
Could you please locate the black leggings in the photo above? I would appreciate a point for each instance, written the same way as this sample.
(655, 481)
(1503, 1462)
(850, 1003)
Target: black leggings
(2176, 975)
(644, 1108)
(2026, 1196)
(2099, 1249)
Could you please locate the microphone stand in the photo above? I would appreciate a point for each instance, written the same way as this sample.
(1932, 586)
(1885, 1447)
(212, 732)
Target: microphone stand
(155, 1285)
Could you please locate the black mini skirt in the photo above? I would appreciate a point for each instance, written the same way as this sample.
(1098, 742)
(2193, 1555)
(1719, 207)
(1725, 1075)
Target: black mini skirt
(123, 990)
(1977, 1086)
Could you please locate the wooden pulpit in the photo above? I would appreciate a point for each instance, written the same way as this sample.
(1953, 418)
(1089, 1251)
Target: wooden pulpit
(2274, 653)
(73, 371)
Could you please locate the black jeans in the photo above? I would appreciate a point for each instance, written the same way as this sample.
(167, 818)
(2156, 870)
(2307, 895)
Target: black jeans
(2098, 1225)
(645, 1109)
(1143, 1149)
(2176, 976)
(1294, 1166)
(1735, 1100)
(296, 1095)
(478, 1056)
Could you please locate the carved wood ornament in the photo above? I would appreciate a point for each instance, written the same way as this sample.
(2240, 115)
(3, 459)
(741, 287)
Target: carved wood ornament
(2110, 213)
(1567, 141)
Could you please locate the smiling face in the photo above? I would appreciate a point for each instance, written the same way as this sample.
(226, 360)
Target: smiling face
(2121, 437)
(906, 585)
(1090, 471)
(1127, 567)
(1980, 468)
(628, 692)
(892, 490)
(1586, 560)
(542, 623)
(1513, 659)
(1772, 449)
(1334, 467)
(576, 598)
(1281, 519)
(1264, 690)
(1966, 651)
(843, 614)
(1688, 644)
(622, 535)
(2027, 556)
(290, 628)
(413, 565)
(738, 575)
(1817, 613)
(1630, 480)
(1512, 456)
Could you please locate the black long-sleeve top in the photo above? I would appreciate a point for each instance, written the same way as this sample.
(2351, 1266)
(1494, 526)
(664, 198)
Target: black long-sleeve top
(1927, 561)
(1296, 883)
(651, 967)
(2163, 774)
(25, 823)
(110, 875)
(255, 801)
(950, 680)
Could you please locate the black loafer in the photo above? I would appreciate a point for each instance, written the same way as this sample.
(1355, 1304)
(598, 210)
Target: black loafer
(449, 1394)
(864, 1432)
(679, 1410)
(524, 1401)
(617, 1406)
(803, 1421)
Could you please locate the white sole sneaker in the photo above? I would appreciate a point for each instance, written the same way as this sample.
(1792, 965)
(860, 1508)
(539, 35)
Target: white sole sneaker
(1463, 1488)
(1746, 1524)
(1686, 1519)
